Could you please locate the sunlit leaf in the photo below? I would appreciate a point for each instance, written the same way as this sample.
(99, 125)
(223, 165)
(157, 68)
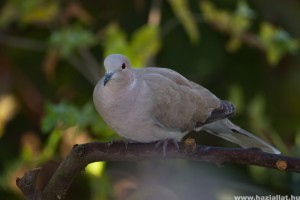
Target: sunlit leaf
(44, 12)
(95, 168)
(28, 12)
(233, 23)
(219, 18)
(208, 10)
(277, 42)
(114, 40)
(239, 25)
(185, 16)
(144, 44)
(139, 49)
(8, 108)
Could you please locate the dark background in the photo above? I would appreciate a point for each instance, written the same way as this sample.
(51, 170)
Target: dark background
(51, 55)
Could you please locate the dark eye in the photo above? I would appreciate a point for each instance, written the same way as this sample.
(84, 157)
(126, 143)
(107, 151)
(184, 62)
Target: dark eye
(123, 66)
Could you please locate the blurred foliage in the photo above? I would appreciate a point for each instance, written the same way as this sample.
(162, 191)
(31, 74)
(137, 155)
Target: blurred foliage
(51, 52)
(69, 39)
(143, 45)
(275, 41)
(186, 18)
(27, 12)
(65, 115)
(234, 23)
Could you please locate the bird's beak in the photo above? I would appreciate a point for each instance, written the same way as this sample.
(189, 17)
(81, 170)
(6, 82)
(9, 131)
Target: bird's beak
(107, 77)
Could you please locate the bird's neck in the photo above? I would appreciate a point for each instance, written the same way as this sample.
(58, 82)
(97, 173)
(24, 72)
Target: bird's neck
(121, 81)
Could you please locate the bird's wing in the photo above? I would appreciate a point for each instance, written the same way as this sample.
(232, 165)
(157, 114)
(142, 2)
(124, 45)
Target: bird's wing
(180, 104)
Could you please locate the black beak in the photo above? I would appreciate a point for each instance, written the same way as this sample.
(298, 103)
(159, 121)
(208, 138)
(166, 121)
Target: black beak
(107, 77)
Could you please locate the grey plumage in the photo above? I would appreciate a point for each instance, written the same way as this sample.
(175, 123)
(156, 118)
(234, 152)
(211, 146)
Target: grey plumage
(152, 104)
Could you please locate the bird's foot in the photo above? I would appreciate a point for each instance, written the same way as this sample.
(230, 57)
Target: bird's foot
(165, 143)
(127, 141)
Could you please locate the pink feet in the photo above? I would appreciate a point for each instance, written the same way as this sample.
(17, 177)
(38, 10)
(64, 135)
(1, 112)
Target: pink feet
(165, 143)
(161, 143)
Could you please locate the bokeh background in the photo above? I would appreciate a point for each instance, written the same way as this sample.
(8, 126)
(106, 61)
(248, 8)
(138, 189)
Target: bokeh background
(51, 57)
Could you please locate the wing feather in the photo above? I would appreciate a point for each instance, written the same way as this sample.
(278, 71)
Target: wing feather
(180, 104)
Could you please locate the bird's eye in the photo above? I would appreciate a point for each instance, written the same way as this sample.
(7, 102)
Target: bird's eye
(123, 66)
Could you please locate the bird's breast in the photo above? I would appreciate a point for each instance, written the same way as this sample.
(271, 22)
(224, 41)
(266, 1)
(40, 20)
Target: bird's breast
(121, 108)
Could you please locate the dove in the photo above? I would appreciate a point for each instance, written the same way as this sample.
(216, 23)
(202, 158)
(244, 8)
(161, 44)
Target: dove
(159, 105)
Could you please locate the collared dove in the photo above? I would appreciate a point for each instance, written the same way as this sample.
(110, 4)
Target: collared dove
(158, 104)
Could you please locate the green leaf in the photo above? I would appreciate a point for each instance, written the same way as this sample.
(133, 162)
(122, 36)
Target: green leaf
(144, 44)
(185, 16)
(277, 42)
(221, 19)
(233, 23)
(114, 40)
(28, 12)
(68, 40)
(41, 13)
(63, 115)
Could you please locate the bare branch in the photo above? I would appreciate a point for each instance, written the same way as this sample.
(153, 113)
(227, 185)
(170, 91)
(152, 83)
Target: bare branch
(27, 184)
(81, 155)
(91, 64)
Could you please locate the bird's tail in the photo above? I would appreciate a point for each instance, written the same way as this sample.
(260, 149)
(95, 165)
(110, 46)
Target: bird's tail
(229, 131)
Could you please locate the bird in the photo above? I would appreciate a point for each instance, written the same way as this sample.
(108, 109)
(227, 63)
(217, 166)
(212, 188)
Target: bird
(154, 104)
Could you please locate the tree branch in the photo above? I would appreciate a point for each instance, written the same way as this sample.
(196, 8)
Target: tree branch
(81, 155)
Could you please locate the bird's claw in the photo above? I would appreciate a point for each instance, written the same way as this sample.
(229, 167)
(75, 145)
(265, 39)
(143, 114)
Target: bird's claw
(165, 143)
(125, 141)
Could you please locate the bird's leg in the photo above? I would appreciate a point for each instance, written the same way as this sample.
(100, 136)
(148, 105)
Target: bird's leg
(110, 143)
(127, 141)
(164, 144)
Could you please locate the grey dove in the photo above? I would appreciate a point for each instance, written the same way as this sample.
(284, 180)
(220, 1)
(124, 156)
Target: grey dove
(158, 104)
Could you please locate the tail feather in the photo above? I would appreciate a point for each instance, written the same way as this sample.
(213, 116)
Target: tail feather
(228, 131)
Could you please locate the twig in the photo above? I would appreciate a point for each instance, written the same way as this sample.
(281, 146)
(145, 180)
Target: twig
(91, 64)
(82, 67)
(154, 16)
(81, 155)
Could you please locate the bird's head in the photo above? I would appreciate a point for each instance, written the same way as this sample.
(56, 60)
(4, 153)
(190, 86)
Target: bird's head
(115, 66)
